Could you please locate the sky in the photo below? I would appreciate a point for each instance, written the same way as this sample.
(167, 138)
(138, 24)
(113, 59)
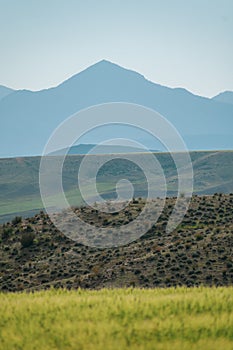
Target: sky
(176, 43)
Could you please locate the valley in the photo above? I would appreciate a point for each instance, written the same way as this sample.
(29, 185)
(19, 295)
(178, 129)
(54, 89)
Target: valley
(19, 179)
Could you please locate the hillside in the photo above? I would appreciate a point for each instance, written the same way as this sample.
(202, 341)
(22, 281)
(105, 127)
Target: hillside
(19, 179)
(28, 118)
(198, 252)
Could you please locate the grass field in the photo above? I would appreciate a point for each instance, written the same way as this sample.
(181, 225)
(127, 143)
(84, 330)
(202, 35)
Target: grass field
(195, 318)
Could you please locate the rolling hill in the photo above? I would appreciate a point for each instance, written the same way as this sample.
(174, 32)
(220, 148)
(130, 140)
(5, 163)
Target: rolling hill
(197, 253)
(19, 179)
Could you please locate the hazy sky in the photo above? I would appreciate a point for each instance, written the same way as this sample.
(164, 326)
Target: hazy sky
(186, 43)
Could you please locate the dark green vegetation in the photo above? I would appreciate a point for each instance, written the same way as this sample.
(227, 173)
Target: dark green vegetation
(198, 252)
(19, 179)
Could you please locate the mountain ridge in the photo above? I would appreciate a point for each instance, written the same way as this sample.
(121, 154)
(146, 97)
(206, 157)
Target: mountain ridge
(225, 97)
(35, 114)
(104, 61)
(5, 91)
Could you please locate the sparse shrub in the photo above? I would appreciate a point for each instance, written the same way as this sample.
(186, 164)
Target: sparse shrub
(16, 220)
(6, 232)
(27, 239)
(199, 236)
(96, 270)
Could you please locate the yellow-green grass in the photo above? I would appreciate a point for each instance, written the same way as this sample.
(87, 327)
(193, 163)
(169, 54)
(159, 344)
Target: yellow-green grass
(173, 318)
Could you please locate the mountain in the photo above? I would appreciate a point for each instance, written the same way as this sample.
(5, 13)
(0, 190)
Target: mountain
(101, 149)
(28, 118)
(225, 97)
(4, 91)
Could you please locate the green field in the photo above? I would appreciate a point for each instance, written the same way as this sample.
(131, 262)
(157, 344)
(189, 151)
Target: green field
(172, 318)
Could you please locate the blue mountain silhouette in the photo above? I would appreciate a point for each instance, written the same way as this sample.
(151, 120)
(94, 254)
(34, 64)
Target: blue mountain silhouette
(225, 97)
(28, 118)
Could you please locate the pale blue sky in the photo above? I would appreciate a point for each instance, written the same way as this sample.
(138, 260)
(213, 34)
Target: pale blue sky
(185, 43)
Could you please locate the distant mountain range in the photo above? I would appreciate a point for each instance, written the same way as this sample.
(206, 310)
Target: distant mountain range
(28, 118)
(4, 91)
(99, 149)
(225, 97)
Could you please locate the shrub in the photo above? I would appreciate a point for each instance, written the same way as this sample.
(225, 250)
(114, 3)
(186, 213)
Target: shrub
(6, 232)
(199, 236)
(27, 239)
(16, 220)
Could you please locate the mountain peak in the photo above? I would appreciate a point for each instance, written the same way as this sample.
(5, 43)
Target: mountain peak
(105, 64)
(104, 69)
(103, 61)
(36, 114)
